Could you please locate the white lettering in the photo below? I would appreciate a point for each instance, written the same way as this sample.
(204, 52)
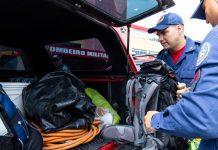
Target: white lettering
(83, 53)
(52, 49)
(89, 53)
(79, 52)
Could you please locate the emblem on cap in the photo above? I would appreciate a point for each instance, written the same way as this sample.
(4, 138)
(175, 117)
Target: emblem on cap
(204, 51)
(160, 20)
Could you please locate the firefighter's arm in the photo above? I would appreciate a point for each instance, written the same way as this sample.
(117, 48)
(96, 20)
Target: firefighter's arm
(147, 121)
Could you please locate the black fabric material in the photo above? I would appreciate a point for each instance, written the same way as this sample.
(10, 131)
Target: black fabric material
(9, 141)
(35, 141)
(157, 67)
(167, 85)
(57, 102)
(167, 96)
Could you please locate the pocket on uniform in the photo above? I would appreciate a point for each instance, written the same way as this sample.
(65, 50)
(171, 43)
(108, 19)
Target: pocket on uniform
(189, 74)
(186, 76)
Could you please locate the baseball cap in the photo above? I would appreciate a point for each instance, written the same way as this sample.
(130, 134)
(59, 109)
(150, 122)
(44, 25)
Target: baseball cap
(199, 12)
(165, 21)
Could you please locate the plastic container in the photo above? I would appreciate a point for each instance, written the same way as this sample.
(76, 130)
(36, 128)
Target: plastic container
(14, 91)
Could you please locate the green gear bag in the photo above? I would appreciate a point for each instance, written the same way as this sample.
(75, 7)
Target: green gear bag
(99, 101)
(194, 144)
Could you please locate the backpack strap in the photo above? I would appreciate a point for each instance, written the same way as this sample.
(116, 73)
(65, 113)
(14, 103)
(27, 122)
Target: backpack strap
(147, 92)
(150, 91)
(152, 143)
(133, 86)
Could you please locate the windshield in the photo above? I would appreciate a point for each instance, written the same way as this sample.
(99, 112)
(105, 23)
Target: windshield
(124, 9)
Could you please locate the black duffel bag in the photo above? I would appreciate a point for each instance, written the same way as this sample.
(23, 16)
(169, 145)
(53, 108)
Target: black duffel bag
(57, 102)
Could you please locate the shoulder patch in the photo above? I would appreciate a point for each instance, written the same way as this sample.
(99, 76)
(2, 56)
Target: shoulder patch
(204, 51)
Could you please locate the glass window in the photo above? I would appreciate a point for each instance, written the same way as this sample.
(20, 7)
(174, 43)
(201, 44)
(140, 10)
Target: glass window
(124, 9)
(82, 55)
(13, 59)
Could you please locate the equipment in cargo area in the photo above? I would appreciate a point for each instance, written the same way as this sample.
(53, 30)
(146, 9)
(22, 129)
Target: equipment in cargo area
(153, 89)
(14, 92)
(57, 101)
(15, 132)
(101, 103)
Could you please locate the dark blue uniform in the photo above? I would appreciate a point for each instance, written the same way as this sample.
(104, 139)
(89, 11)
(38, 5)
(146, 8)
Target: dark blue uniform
(64, 67)
(196, 114)
(186, 65)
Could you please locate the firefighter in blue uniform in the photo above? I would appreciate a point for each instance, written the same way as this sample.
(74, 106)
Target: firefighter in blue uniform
(180, 52)
(60, 66)
(196, 114)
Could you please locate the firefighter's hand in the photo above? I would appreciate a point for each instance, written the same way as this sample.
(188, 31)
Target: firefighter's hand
(147, 121)
(181, 89)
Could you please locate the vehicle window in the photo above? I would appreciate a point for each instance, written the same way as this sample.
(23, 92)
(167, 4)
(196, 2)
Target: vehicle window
(82, 55)
(13, 59)
(140, 59)
(124, 9)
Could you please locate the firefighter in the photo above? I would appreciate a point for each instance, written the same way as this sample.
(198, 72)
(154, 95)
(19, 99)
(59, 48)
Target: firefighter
(180, 52)
(195, 115)
(60, 66)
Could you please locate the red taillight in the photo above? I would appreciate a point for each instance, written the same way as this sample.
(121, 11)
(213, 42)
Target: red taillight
(109, 146)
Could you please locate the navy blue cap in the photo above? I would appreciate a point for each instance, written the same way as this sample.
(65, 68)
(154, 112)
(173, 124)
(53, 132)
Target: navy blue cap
(165, 21)
(199, 12)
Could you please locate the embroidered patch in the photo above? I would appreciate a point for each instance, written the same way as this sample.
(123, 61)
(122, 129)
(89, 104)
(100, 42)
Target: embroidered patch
(204, 51)
(160, 20)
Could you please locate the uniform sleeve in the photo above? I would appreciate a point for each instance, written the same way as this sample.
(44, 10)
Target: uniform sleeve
(160, 55)
(196, 114)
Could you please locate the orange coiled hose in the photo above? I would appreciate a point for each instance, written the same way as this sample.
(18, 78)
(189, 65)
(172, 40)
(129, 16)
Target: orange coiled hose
(67, 139)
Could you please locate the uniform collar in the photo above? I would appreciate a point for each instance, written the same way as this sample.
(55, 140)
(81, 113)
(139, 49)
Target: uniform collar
(190, 45)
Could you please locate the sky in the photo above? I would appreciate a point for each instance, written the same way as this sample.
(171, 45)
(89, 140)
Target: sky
(194, 28)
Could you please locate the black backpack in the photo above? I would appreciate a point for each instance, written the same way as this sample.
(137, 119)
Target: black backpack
(153, 89)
